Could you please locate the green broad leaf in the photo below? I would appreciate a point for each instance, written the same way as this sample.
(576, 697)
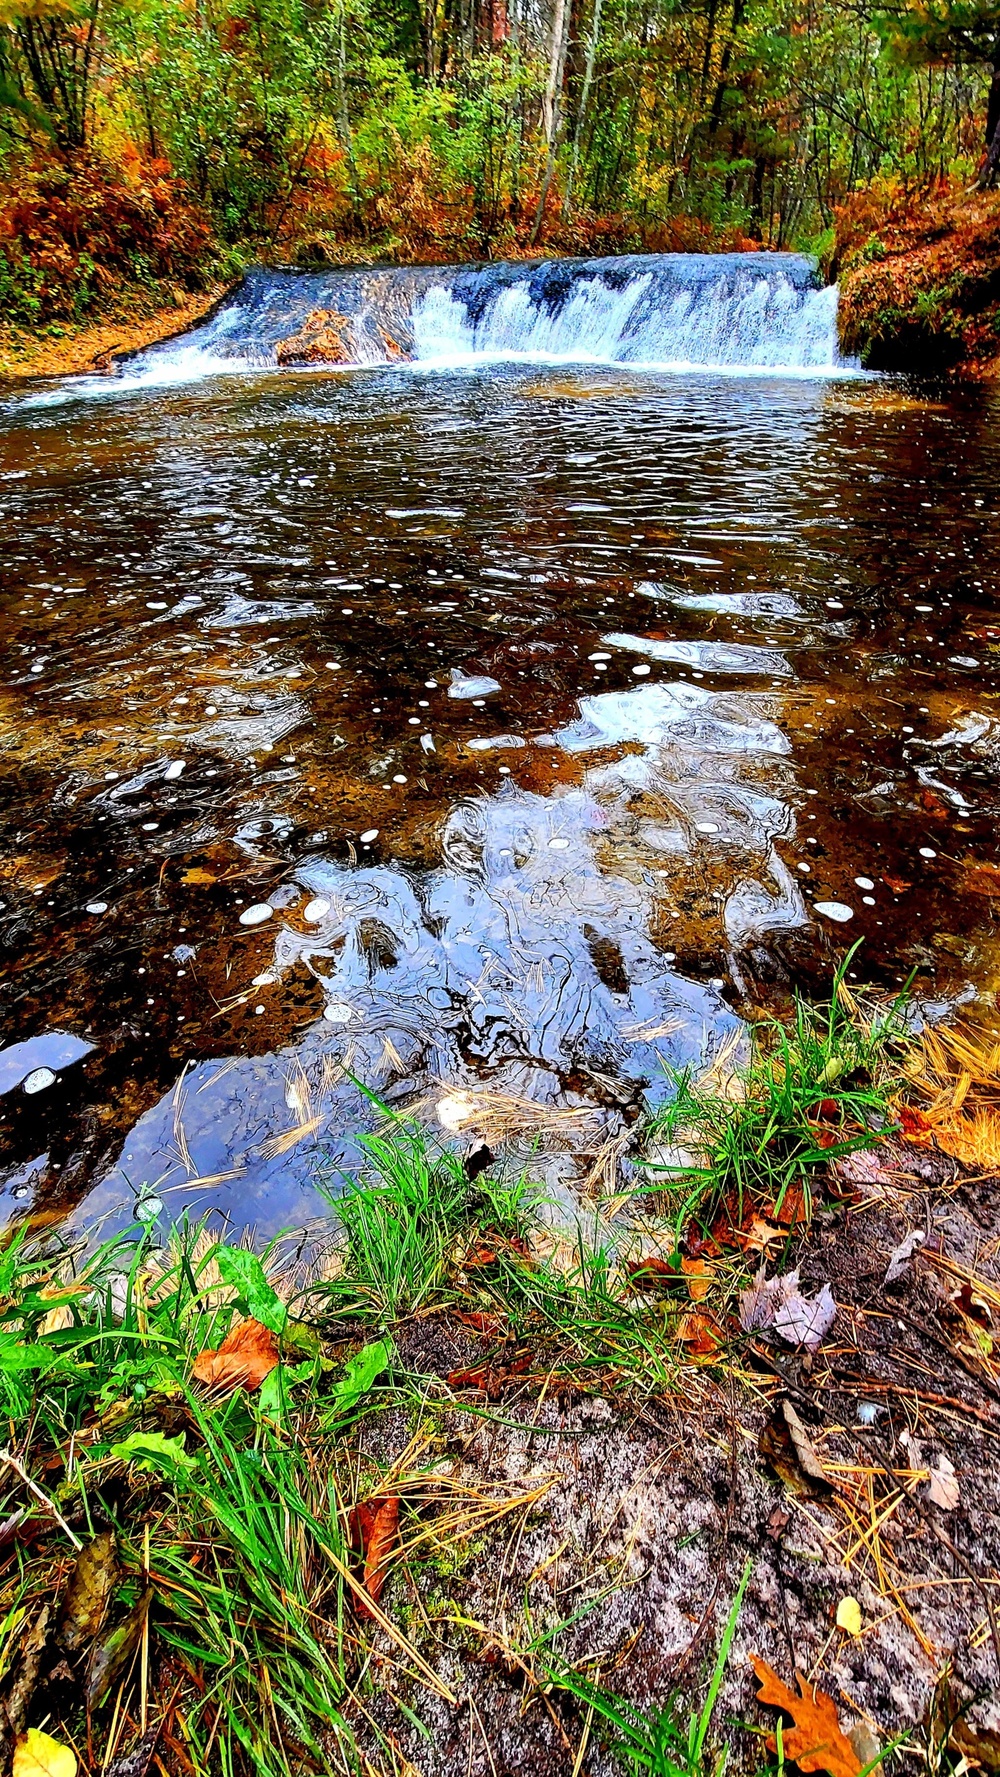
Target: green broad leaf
(360, 1373)
(156, 1453)
(272, 1396)
(16, 1356)
(244, 1273)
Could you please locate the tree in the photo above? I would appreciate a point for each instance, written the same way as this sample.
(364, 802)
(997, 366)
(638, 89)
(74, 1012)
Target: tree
(957, 32)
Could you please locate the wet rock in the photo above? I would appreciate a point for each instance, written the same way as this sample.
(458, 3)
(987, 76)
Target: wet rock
(320, 340)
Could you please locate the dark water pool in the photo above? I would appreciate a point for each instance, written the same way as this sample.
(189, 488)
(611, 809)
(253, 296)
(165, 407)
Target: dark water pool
(559, 718)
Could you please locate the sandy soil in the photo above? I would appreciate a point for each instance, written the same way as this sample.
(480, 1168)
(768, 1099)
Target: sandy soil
(94, 345)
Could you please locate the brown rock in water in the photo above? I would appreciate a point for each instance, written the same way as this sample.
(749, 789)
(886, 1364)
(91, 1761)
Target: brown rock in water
(394, 351)
(320, 340)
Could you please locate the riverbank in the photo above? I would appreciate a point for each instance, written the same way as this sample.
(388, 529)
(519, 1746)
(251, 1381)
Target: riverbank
(65, 349)
(920, 281)
(480, 1492)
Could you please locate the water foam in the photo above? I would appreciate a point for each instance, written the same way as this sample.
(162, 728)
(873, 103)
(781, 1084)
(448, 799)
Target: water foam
(729, 313)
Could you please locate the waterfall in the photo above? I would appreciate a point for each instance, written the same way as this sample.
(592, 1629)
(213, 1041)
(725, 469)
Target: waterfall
(731, 312)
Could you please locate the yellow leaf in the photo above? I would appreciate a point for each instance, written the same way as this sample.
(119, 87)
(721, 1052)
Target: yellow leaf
(849, 1616)
(57, 1320)
(38, 1755)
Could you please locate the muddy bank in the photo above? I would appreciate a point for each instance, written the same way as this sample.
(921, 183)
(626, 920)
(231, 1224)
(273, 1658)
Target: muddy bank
(644, 1514)
(65, 349)
(920, 282)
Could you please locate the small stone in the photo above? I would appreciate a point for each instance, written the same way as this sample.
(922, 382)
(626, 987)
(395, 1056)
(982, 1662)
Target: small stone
(256, 915)
(38, 1079)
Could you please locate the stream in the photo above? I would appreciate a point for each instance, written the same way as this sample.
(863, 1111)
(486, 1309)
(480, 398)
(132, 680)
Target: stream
(496, 717)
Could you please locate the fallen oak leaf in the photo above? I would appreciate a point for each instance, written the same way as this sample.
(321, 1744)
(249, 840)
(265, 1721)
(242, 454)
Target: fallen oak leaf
(700, 1277)
(701, 1334)
(478, 1320)
(816, 1742)
(245, 1357)
(491, 1380)
(652, 1272)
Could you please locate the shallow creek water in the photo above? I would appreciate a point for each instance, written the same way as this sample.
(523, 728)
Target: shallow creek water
(559, 715)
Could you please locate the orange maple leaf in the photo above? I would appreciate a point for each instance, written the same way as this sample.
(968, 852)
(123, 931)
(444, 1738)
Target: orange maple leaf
(815, 1742)
(245, 1357)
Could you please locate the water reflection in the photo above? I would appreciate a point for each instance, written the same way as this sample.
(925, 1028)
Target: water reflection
(569, 694)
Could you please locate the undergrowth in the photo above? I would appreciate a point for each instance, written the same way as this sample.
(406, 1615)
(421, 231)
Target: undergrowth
(815, 1089)
(191, 1560)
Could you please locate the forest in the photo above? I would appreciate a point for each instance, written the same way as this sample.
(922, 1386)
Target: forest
(157, 144)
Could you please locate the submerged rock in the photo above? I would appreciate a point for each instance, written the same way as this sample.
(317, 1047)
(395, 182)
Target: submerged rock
(320, 340)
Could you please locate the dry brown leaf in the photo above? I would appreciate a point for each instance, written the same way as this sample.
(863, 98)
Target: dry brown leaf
(197, 878)
(700, 1277)
(786, 1445)
(244, 1358)
(374, 1530)
(944, 1490)
(88, 1593)
(701, 1334)
(816, 1742)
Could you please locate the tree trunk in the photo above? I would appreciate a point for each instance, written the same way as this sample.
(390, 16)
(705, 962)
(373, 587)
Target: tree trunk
(991, 164)
(581, 115)
(552, 101)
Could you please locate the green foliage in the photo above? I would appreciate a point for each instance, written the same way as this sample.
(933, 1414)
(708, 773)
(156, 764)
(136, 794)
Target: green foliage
(814, 1090)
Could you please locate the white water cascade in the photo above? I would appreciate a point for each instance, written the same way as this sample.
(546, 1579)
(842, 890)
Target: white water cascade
(742, 314)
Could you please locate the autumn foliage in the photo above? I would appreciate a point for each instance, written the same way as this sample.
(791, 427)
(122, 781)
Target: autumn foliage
(73, 235)
(920, 278)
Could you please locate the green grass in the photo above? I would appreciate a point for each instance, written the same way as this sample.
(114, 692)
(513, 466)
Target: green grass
(419, 1238)
(660, 1741)
(242, 1519)
(816, 1088)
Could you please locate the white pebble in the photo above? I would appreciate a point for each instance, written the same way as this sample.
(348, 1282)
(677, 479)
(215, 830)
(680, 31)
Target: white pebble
(174, 769)
(705, 827)
(398, 778)
(333, 666)
(927, 851)
(864, 882)
(316, 910)
(835, 910)
(336, 1013)
(38, 1079)
(369, 836)
(256, 915)
(97, 906)
(558, 844)
(641, 671)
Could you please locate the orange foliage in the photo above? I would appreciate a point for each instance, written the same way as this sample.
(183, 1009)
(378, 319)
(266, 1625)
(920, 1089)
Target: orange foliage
(920, 278)
(74, 234)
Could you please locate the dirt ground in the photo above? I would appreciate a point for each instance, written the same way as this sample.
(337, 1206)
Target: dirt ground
(649, 1513)
(73, 351)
